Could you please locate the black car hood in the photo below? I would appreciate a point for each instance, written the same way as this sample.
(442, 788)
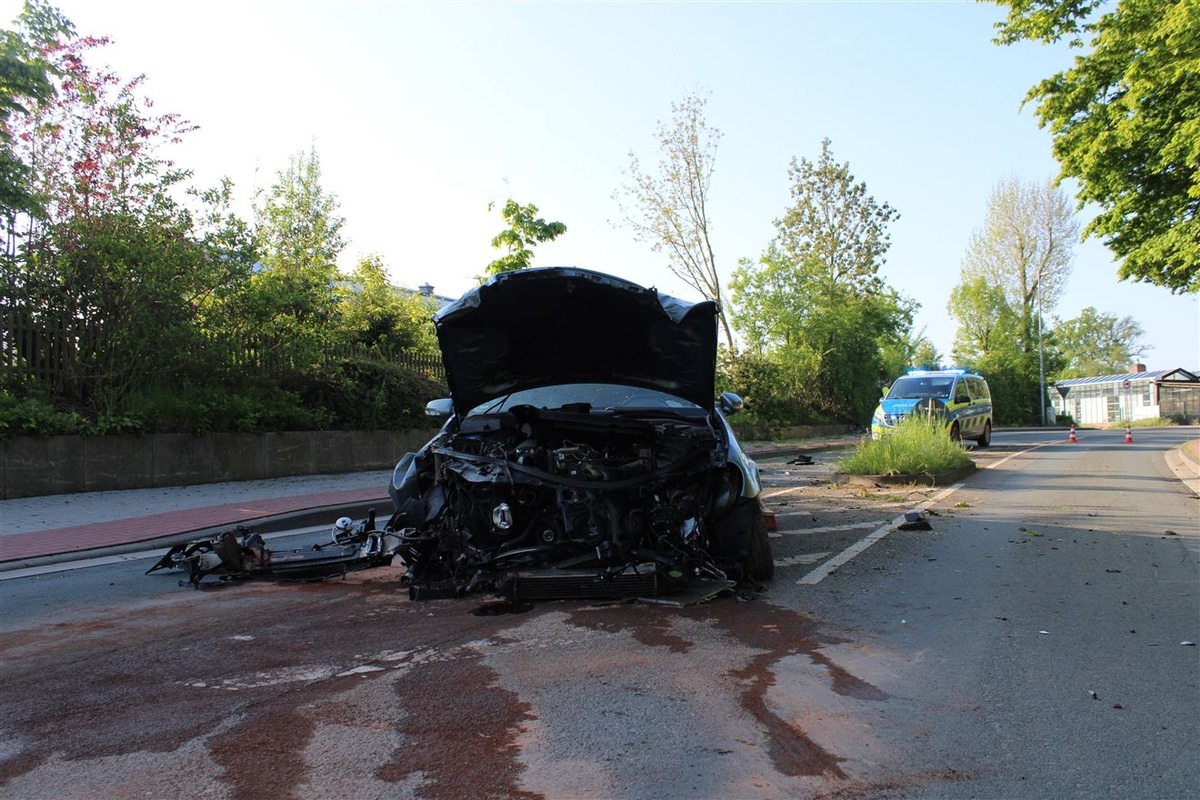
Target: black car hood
(552, 325)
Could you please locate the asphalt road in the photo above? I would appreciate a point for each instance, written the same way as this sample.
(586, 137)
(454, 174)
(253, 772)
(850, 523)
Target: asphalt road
(1028, 645)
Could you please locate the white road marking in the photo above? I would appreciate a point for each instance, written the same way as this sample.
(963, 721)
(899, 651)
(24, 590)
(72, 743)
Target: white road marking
(825, 570)
(828, 529)
(803, 558)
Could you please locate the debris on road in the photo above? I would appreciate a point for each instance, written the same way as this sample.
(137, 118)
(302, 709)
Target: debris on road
(914, 521)
(242, 553)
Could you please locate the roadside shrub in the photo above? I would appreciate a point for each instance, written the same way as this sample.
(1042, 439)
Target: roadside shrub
(33, 416)
(1152, 423)
(367, 394)
(916, 446)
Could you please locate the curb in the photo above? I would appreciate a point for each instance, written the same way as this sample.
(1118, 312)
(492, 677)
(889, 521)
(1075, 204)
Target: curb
(923, 479)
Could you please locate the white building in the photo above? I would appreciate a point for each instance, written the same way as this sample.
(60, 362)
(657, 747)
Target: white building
(1116, 399)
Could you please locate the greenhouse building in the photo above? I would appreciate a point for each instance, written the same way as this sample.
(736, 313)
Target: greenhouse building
(1119, 399)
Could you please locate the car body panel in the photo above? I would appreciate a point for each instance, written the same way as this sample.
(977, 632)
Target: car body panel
(556, 325)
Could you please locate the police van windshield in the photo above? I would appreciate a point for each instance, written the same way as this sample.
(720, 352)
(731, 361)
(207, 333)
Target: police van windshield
(912, 387)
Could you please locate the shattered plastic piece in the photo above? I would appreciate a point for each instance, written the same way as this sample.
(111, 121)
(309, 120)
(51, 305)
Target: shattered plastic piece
(801, 460)
(1044, 633)
(1187, 644)
(914, 521)
(1093, 695)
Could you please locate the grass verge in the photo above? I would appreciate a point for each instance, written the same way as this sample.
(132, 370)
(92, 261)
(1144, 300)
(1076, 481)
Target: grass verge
(917, 446)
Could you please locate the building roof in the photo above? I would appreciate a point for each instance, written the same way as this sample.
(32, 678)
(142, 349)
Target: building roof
(1132, 377)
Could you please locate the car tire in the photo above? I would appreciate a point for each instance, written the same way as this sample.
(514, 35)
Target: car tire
(760, 562)
(955, 433)
(986, 438)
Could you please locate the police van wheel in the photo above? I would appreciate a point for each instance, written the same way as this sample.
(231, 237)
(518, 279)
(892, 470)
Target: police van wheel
(955, 433)
(986, 438)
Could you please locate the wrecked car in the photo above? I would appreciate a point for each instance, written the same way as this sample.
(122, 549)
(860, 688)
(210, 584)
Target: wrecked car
(583, 452)
(242, 553)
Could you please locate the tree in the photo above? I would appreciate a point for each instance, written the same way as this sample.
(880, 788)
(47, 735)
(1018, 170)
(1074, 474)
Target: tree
(25, 83)
(105, 286)
(668, 208)
(814, 302)
(834, 225)
(1126, 124)
(990, 341)
(374, 313)
(1025, 249)
(1096, 343)
(986, 322)
(299, 235)
(525, 229)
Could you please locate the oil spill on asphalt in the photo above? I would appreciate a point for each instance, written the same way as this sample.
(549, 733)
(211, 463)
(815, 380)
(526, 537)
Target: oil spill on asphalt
(261, 755)
(462, 739)
(778, 633)
(647, 624)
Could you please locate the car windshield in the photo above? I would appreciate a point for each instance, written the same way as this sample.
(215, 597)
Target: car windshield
(597, 395)
(912, 387)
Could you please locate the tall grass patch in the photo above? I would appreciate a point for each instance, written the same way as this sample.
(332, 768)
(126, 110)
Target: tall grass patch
(918, 445)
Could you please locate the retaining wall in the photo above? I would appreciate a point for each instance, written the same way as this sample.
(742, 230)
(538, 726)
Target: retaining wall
(66, 464)
(33, 467)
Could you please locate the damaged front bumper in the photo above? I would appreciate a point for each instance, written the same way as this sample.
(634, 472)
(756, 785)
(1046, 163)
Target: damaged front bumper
(242, 553)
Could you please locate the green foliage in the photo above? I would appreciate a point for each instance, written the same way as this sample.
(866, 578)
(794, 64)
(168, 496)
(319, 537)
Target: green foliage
(916, 446)
(814, 305)
(34, 416)
(372, 313)
(767, 387)
(25, 83)
(525, 229)
(1126, 124)
(363, 394)
(1095, 343)
(834, 227)
(299, 233)
(985, 320)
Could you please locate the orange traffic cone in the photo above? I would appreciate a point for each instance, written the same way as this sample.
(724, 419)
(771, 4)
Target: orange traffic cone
(1128, 434)
(1071, 439)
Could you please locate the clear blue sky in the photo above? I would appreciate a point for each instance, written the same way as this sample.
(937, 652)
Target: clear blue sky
(423, 113)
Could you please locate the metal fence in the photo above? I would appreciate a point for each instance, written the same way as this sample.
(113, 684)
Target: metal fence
(48, 349)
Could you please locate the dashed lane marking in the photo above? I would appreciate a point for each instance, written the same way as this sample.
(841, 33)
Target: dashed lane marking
(829, 567)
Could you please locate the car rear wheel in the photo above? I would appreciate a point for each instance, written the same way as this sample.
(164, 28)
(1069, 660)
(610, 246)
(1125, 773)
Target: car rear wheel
(986, 438)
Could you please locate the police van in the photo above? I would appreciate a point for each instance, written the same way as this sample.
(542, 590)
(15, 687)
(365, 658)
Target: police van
(961, 397)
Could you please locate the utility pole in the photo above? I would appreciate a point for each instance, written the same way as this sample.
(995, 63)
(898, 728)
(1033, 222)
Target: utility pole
(1041, 357)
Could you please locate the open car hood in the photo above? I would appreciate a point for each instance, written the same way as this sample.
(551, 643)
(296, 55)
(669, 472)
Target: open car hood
(553, 325)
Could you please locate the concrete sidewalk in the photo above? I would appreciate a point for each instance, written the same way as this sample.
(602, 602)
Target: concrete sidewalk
(40, 530)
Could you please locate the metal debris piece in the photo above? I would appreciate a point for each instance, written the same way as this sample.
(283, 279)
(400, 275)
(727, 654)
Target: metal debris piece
(242, 553)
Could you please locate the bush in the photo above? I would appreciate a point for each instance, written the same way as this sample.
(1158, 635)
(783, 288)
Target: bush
(33, 416)
(366, 394)
(916, 446)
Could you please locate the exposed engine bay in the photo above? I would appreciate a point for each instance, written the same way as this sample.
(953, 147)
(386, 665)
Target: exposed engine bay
(620, 500)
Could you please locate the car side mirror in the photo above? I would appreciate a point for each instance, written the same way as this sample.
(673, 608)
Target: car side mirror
(731, 403)
(439, 409)
(962, 398)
